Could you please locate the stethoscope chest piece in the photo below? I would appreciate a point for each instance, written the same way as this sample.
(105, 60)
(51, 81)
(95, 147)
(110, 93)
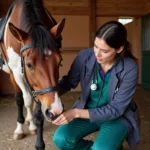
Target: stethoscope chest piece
(93, 87)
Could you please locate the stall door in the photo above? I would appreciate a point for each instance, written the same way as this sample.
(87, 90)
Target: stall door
(146, 51)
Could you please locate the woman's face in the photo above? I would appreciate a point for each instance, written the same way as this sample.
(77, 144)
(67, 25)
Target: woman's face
(103, 52)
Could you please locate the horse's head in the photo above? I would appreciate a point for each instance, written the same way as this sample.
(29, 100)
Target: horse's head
(41, 60)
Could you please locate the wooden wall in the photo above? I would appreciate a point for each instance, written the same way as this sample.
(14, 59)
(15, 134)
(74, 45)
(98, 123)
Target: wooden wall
(83, 18)
(103, 7)
(147, 8)
(120, 8)
(4, 5)
(134, 37)
(82, 7)
(67, 7)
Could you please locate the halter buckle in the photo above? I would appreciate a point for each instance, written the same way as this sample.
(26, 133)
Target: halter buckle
(33, 94)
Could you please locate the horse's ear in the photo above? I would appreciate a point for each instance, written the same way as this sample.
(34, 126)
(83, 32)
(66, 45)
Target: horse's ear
(19, 34)
(57, 29)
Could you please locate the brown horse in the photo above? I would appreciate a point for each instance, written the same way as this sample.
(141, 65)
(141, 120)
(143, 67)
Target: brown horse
(30, 44)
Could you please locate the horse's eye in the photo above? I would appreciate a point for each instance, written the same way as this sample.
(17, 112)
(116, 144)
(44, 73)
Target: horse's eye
(30, 66)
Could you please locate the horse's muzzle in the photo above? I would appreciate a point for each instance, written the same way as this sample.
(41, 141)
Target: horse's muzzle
(50, 115)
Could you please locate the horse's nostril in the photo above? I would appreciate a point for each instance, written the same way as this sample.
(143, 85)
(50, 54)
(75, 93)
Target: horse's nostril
(49, 114)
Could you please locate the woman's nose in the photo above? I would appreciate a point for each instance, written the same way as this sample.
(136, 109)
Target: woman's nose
(99, 53)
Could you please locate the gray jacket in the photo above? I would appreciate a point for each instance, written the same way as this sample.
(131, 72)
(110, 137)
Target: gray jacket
(122, 86)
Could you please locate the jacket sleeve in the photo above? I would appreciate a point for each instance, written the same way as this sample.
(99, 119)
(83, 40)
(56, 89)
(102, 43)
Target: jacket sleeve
(117, 106)
(72, 79)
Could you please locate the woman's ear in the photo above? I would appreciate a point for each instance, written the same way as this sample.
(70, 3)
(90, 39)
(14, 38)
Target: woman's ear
(120, 49)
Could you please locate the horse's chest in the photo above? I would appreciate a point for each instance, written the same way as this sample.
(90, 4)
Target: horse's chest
(14, 61)
(5, 67)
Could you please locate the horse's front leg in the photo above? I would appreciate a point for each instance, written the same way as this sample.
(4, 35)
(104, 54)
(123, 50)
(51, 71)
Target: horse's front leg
(18, 133)
(17, 80)
(39, 121)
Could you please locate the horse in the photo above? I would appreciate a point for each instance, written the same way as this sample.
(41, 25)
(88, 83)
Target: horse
(30, 42)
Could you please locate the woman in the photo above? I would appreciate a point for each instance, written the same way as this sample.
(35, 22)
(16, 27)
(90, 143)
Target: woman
(108, 74)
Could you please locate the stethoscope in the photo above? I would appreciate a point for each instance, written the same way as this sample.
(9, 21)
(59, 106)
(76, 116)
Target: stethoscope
(93, 86)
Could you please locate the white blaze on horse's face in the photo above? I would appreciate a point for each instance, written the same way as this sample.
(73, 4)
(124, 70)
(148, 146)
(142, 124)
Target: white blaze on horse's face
(55, 109)
(56, 106)
(47, 52)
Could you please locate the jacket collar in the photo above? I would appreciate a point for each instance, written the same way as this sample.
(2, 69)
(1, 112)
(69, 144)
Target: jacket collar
(114, 83)
(119, 65)
(90, 64)
(114, 80)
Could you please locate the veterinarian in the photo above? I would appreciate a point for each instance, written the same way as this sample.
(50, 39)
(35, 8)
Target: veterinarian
(108, 74)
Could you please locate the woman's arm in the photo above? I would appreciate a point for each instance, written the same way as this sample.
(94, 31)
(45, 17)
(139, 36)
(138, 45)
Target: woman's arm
(69, 115)
(72, 79)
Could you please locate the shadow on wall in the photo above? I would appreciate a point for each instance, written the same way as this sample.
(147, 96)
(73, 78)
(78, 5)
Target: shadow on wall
(6, 86)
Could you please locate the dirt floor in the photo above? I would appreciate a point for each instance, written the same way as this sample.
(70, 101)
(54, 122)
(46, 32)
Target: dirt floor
(8, 115)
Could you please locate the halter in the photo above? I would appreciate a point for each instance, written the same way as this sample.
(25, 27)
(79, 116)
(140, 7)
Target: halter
(31, 90)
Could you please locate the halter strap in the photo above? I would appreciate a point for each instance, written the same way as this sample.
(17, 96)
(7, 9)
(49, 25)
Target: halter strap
(23, 48)
(46, 90)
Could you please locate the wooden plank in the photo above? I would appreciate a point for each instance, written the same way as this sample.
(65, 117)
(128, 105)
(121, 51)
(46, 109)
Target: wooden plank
(107, 9)
(130, 13)
(67, 1)
(69, 10)
(72, 48)
(92, 21)
(147, 8)
(120, 5)
(122, 1)
(71, 4)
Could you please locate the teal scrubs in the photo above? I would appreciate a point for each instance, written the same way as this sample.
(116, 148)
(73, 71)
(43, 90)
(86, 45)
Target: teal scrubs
(111, 134)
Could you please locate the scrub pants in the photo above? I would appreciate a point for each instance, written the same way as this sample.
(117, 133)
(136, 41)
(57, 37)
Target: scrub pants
(111, 135)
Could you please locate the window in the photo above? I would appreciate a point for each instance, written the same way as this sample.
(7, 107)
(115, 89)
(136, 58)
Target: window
(125, 20)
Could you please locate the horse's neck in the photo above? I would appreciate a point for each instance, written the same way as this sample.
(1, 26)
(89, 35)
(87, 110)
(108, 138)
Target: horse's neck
(9, 40)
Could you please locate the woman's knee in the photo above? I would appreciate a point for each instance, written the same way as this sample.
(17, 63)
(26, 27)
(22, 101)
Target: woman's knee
(63, 142)
(104, 147)
(58, 141)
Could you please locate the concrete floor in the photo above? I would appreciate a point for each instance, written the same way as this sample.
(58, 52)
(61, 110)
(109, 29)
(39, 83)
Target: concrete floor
(8, 123)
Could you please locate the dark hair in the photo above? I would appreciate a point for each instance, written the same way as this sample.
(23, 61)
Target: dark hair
(115, 35)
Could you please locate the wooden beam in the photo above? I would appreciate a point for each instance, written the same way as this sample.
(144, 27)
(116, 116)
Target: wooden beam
(68, 10)
(74, 1)
(68, 3)
(73, 48)
(92, 20)
(123, 1)
(119, 9)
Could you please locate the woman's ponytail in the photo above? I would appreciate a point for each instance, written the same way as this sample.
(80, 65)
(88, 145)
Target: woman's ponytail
(127, 51)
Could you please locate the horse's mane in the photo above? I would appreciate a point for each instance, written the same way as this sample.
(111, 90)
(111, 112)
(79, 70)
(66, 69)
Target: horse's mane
(31, 22)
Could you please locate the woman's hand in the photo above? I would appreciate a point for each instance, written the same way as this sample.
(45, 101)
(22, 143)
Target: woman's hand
(70, 114)
(66, 117)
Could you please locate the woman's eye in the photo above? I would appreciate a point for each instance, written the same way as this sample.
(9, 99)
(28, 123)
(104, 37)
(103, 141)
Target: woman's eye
(105, 52)
(30, 66)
